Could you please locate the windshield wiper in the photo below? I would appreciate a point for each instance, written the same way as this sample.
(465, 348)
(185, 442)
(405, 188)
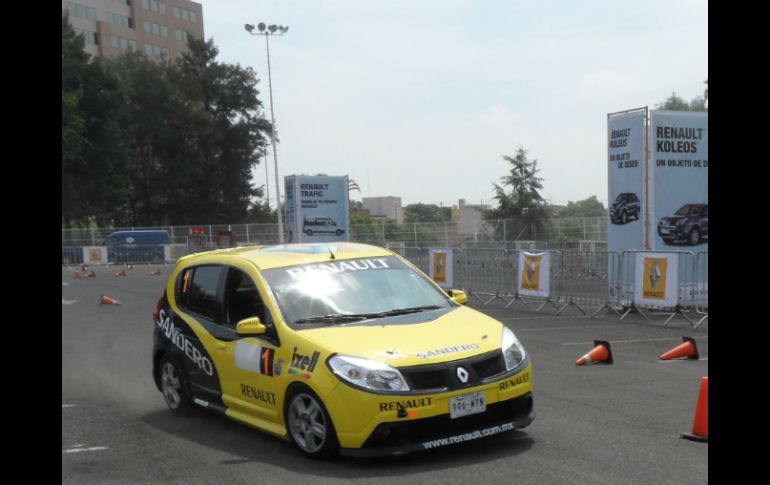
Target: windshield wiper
(405, 311)
(338, 318)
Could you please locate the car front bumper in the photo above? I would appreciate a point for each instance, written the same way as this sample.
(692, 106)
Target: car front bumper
(376, 425)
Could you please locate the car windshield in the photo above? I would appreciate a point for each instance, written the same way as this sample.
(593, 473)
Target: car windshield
(685, 210)
(352, 290)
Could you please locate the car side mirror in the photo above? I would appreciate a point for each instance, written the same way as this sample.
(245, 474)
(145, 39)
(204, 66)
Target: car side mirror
(458, 296)
(250, 326)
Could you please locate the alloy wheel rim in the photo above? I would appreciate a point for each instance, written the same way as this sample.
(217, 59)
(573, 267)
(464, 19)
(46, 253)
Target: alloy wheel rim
(307, 423)
(171, 385)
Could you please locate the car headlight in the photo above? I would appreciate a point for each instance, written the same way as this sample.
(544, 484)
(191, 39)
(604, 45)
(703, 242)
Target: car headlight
(367, 374)
(512, 349)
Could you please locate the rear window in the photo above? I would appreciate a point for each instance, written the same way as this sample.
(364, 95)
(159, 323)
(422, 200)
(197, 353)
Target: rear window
(198, 290)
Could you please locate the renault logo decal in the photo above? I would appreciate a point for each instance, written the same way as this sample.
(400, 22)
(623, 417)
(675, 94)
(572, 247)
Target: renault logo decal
(462, 374)
(655, 275)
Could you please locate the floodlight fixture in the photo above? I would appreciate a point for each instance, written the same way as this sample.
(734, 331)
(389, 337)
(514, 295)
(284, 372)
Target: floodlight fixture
(249, 28)
(261, 26)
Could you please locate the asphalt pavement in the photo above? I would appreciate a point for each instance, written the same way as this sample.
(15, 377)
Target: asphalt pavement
(617, 423)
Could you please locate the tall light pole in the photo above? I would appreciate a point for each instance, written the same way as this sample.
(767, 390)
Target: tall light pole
(267, 31)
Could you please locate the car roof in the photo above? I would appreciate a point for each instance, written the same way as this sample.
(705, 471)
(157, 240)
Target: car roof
(267, 257)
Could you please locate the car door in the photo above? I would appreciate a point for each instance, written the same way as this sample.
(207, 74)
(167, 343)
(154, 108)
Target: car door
(249, 386)
(193, 329)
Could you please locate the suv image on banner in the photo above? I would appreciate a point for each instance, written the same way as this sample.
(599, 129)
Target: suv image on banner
(338, 348)
(321, 225)
(689, 224)
(626, 205)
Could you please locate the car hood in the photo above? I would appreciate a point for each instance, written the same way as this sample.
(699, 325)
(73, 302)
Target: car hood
(671, 220)
(458, 334)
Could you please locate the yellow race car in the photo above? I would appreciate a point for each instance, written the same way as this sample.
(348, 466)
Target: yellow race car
(340, 348)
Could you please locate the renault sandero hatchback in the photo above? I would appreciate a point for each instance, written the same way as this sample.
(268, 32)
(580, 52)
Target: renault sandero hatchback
(339, 348)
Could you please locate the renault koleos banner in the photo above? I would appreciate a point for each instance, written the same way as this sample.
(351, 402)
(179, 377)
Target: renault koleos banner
(625, 148)
(679, 180)
(316, 208)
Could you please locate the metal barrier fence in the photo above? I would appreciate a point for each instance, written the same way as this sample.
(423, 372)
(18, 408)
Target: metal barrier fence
(588, 277)
(560, 233)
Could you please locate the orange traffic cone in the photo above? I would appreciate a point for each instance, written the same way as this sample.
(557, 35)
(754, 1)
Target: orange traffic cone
(155, 272)
(84, 268)
(120, 273)
(700, 426)
(687, 349)
(106, 300)
(600, 353)
(130, 266)
(78, 275)
(90, 274)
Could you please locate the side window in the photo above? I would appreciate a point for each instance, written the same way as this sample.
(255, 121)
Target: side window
(695, 211)
(198, 292)
(242, 299)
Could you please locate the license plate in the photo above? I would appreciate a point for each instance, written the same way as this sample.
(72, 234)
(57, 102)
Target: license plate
(467, 404)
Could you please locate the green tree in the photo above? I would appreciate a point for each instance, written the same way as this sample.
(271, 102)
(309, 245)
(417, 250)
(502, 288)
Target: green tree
(590, 207)
(523, 205)
(426, 213)
(676, 103)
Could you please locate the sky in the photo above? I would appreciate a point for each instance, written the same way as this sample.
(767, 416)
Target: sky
(421, 99)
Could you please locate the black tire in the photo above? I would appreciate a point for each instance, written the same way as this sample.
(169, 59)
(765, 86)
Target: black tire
(309, 232)
(623, 217)
(668, 241)
(309, 425)
(173, 387)
(339, 232)
(694, 237)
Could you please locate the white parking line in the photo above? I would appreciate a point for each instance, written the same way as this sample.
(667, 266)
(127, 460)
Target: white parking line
(79, 448)
(545, 329)
(633, 341)
(64, 284)
(68, 405)
(68, 302)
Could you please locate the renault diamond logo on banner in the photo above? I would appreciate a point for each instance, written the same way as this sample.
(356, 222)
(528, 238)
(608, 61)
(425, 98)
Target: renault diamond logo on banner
(441, 266)
(534, 277)
(656, 280)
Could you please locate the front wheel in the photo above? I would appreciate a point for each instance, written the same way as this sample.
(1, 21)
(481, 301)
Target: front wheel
(310, 425)
(172, 386)
(623, 217)
(694, 236)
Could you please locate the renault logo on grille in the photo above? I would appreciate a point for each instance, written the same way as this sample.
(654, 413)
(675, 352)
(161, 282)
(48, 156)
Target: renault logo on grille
(462, 374)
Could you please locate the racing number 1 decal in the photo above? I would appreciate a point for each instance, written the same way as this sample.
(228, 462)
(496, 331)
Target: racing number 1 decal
(266, 361)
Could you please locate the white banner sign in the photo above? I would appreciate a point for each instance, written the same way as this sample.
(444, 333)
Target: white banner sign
(657, 280)
(94, 255)
(534, 274)
(440, 270)
(625, 152)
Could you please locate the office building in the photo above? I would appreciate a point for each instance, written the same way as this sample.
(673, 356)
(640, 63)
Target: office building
(160, 29)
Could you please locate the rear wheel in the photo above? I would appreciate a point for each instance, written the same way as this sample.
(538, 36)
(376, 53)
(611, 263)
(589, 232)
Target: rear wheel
(172, 386)
(309, 424)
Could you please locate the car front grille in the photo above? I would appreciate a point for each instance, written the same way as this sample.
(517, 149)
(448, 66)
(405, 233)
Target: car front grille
(443, 376)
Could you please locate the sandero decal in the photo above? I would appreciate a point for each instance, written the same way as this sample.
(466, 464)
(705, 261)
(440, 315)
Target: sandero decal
(446, 350)
(184, 344)
(254, 358)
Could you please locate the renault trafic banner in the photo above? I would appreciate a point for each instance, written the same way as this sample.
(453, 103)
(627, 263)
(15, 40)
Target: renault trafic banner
(316, 208)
